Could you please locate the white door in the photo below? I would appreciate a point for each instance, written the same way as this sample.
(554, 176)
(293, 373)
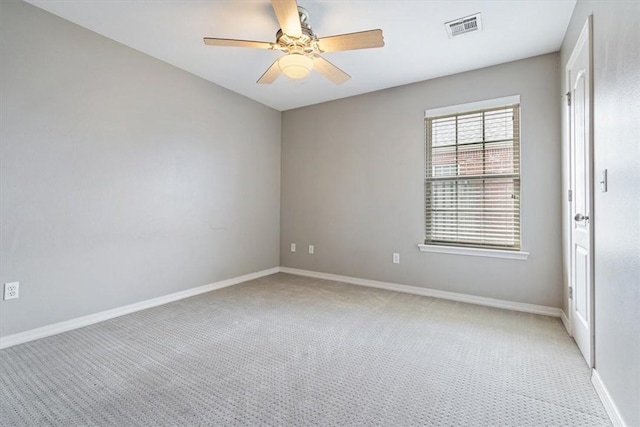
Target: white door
(581, 303)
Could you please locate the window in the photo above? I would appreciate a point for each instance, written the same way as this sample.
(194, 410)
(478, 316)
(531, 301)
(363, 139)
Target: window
(472, 182)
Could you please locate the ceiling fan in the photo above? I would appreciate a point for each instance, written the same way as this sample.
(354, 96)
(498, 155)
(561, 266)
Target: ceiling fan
(302, 48)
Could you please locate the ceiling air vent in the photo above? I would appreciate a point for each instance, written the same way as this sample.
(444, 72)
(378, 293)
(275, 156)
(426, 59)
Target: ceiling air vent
(464, 25)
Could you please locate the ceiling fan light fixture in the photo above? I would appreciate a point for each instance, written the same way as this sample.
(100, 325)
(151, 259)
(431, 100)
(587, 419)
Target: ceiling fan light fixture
(301, 47)
(296, 65)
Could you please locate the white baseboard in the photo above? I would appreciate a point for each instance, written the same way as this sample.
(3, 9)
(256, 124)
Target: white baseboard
(471, 299)
(79, 322)
(607, 402)
(565, 322)
(68, 325)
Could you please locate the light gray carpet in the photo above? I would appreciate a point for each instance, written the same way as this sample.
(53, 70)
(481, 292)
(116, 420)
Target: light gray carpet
(289, 350)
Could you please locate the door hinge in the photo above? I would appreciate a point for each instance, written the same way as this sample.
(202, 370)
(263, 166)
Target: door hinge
(569, 98)
(570, 292)
(570, 196)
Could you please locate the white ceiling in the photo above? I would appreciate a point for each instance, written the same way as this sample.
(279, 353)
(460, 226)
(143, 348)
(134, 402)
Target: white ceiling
(417, 47)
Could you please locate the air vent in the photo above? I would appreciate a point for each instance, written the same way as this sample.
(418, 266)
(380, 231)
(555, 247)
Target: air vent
(464, 25)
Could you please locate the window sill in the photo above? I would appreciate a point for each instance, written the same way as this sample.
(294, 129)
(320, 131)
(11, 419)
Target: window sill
(489, 253)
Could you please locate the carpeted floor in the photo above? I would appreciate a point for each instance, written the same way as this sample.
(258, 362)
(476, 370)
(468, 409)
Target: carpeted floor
(289, 350)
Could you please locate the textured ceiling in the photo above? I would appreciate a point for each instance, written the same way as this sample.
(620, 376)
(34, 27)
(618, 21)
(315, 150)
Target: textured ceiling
(417, 46)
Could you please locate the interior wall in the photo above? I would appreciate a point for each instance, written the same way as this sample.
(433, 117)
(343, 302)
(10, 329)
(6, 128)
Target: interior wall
(352, 185)
(122, 177)
(616, 73)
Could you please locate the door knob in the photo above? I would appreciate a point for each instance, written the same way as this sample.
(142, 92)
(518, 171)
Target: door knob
(580, 217)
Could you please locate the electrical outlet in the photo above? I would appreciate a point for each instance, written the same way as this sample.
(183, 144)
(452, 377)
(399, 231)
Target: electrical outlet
(11, 290)
(311, 249)
(293, 247)
(396, 258)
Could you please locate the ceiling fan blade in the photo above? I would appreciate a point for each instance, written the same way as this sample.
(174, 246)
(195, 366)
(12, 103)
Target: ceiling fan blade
(352, 41)
(271, 74)
(288, 18)
(210, 41)
(330, 71)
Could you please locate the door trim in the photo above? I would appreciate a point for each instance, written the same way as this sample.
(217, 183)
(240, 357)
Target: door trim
(586, 36)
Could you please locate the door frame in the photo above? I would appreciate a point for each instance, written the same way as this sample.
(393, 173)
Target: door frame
(586, 36)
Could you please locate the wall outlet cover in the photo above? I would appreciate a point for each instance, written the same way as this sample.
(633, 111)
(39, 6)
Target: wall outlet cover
(396, 258)
(293, 247)
(11, 290)
(311, 249)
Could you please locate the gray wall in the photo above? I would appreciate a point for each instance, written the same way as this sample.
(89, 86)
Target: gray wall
(616, 63)
(352, 185)
(123, 178)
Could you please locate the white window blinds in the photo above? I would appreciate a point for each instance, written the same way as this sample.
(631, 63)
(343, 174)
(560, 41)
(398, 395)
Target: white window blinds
(472, 183)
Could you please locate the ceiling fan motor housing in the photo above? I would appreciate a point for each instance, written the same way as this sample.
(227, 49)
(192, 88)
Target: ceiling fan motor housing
(305, 44)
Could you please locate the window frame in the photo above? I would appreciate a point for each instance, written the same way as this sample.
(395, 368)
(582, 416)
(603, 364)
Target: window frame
(462, 248)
